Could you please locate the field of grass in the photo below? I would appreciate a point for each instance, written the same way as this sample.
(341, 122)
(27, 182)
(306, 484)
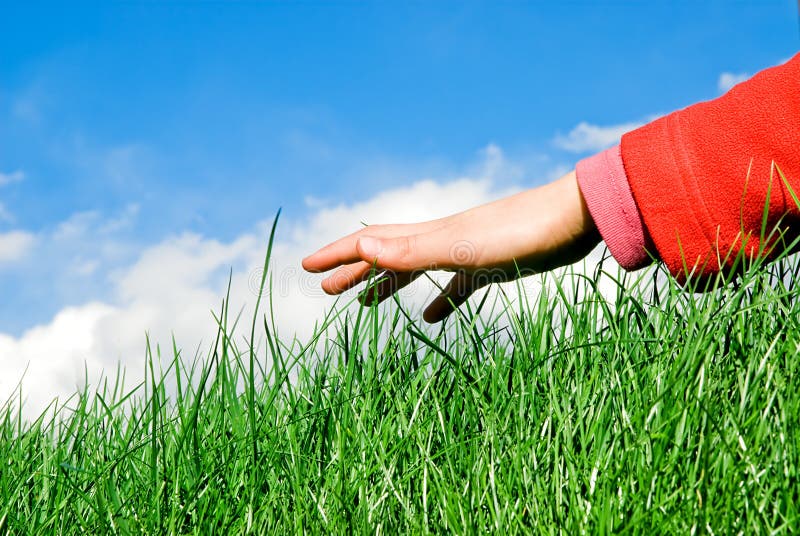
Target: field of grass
(652, 410)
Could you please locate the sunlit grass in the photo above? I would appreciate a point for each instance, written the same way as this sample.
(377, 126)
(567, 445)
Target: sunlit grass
(654, 409)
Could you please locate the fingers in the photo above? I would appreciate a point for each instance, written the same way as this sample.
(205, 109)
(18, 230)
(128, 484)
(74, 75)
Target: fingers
(343, 251)
(339, 253)
(460, 287)
(346, 277)
(403, 258)
(423, 251)
(388, 283)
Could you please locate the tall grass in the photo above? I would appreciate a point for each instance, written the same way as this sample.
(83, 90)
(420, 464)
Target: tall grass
(651, 410)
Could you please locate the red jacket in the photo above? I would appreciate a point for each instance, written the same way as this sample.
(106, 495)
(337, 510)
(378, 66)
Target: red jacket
(703, 178)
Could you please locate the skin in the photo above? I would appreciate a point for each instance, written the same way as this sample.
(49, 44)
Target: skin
(529, 232)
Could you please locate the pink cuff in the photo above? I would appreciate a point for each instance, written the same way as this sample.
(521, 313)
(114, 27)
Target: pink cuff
(608, 196)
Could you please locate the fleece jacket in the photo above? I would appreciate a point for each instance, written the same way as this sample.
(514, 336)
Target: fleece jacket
(700, 186)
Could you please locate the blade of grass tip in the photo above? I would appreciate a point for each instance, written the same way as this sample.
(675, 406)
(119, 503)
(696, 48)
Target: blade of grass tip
(280, 372)
(228, 393)
(765, 212)
(346, 340)
(275, 345)
(153, 429)
(12, 400)
(283, 371)
(355, 368)
(274, 348)
(419, 335)
(176, 365)
(251, 394)
(75, 424)
(794, 244)
(286, 367)
(524, 301)
(514, 319)
(744, 194)
(482, 303)
(205, 373)
(465, 320)
(788, 186)
(471, 327)
(331, 316)
(571, 312)
(355, 346)
(273, 351)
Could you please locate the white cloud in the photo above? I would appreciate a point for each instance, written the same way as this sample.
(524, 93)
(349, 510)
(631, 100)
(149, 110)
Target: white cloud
(49, 360)
(76, 226)
(586, 137)
(15, 245)
(64, 264)
(728, 80)
(8, 178)
(122, 222)
(84, 267)
(92, 222)
(172, 288)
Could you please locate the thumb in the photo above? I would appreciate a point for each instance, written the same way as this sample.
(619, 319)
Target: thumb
(406, 253)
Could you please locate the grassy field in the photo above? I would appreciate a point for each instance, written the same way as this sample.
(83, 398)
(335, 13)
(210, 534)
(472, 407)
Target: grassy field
(654, 410)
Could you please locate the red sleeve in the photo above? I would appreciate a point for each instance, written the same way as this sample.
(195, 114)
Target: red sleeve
(701, 176)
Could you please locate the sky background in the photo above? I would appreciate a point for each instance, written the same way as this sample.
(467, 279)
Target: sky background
(144, 145)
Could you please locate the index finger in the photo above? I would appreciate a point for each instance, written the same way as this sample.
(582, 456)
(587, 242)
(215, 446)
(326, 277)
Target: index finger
(343, 251)
(338, 253)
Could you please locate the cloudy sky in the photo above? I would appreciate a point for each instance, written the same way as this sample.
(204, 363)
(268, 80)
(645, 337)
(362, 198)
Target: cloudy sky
(145, 146)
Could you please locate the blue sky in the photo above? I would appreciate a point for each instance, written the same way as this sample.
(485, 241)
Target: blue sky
(217, 108)
(123, 124)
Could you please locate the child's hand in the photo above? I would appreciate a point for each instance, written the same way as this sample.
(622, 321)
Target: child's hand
(533, 231)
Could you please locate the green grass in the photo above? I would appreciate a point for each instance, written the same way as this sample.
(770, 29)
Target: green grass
(652, 410)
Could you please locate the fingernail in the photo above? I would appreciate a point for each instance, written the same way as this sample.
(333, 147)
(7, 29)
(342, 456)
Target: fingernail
(370, 247)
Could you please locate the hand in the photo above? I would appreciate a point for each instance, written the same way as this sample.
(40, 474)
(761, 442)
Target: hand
(530, 232)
